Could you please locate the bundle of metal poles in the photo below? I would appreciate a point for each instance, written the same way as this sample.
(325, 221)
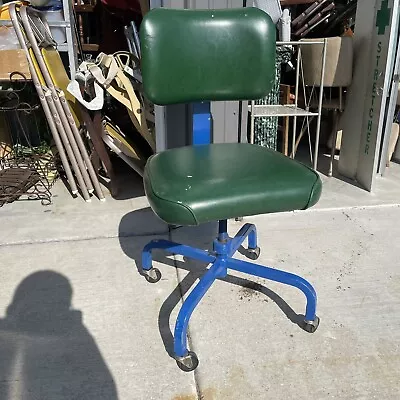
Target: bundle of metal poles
(33, 34)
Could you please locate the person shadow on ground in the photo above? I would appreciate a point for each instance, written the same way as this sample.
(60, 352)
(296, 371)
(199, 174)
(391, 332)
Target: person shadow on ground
(46, 353)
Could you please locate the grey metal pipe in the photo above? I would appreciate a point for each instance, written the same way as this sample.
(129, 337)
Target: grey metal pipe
(42, 99)
(252, 122)
(81, 145)
(336, 116)
(50, 101)
(391, 109)
(72, 141)
(294, 148)
(296, 43)
(321, 97)
(136, 39)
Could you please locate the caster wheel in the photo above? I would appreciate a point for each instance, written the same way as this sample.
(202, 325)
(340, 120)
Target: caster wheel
(153, 275)
(253, 254)
(188, 363)
(311, 326)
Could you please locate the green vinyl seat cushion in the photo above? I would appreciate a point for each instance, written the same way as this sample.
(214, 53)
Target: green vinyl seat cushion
(196, 55)
(197, 184)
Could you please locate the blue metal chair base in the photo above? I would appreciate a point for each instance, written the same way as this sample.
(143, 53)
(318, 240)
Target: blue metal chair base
(221, 260)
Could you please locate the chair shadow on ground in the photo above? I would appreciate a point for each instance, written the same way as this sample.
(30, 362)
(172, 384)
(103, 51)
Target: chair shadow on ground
(201, 237)
(45, 350)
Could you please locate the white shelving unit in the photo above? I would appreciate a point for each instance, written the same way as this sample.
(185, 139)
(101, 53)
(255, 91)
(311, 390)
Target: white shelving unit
(280, 110)
(293, 110)
(71, 44)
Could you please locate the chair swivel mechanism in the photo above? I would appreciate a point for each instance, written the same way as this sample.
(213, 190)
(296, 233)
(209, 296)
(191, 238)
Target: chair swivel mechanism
(194, 55)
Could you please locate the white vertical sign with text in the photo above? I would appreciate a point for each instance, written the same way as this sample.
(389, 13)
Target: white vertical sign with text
(383, 44)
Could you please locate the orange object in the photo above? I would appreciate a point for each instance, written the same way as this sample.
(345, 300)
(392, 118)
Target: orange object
(348, 32)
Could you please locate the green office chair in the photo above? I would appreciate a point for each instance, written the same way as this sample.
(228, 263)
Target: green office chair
(189, 56)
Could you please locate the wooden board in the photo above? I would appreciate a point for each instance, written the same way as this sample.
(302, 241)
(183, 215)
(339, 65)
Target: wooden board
(13, 61)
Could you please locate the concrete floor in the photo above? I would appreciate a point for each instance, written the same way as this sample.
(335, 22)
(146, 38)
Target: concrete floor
(77, 321)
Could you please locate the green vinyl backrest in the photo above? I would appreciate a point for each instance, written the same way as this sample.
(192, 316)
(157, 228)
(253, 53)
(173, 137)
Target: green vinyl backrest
(194, 55)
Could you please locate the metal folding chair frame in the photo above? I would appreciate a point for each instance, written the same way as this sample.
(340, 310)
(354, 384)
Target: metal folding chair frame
(77, 152)
(58, 137)
(66, 134)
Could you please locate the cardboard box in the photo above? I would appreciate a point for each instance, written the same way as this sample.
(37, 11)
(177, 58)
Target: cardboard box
(13, 61)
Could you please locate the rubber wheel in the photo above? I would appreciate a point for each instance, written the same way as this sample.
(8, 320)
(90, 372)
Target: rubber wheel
(188, 363)
(153, 275)
(311, 327)
(253, 254)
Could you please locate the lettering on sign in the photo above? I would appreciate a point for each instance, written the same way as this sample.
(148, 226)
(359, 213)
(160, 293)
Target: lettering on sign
(382, 22)
(373, 97)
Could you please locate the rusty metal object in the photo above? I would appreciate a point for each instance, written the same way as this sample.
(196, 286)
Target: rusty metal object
(16, 182)
(27, 170)
(30, 178)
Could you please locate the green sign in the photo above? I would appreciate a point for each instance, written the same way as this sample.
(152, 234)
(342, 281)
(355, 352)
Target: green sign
(383, 38)
(383, 17)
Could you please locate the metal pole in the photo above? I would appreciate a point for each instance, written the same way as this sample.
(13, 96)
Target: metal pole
(136, 39)
(252, 122)
(296, 100)
(294, 43)
(336, 114)
(321, 97)
(391, 109)
(81, 146)
(50, 100)
(71, 39)
(161, 128)
(223, 230)
(73, 142)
